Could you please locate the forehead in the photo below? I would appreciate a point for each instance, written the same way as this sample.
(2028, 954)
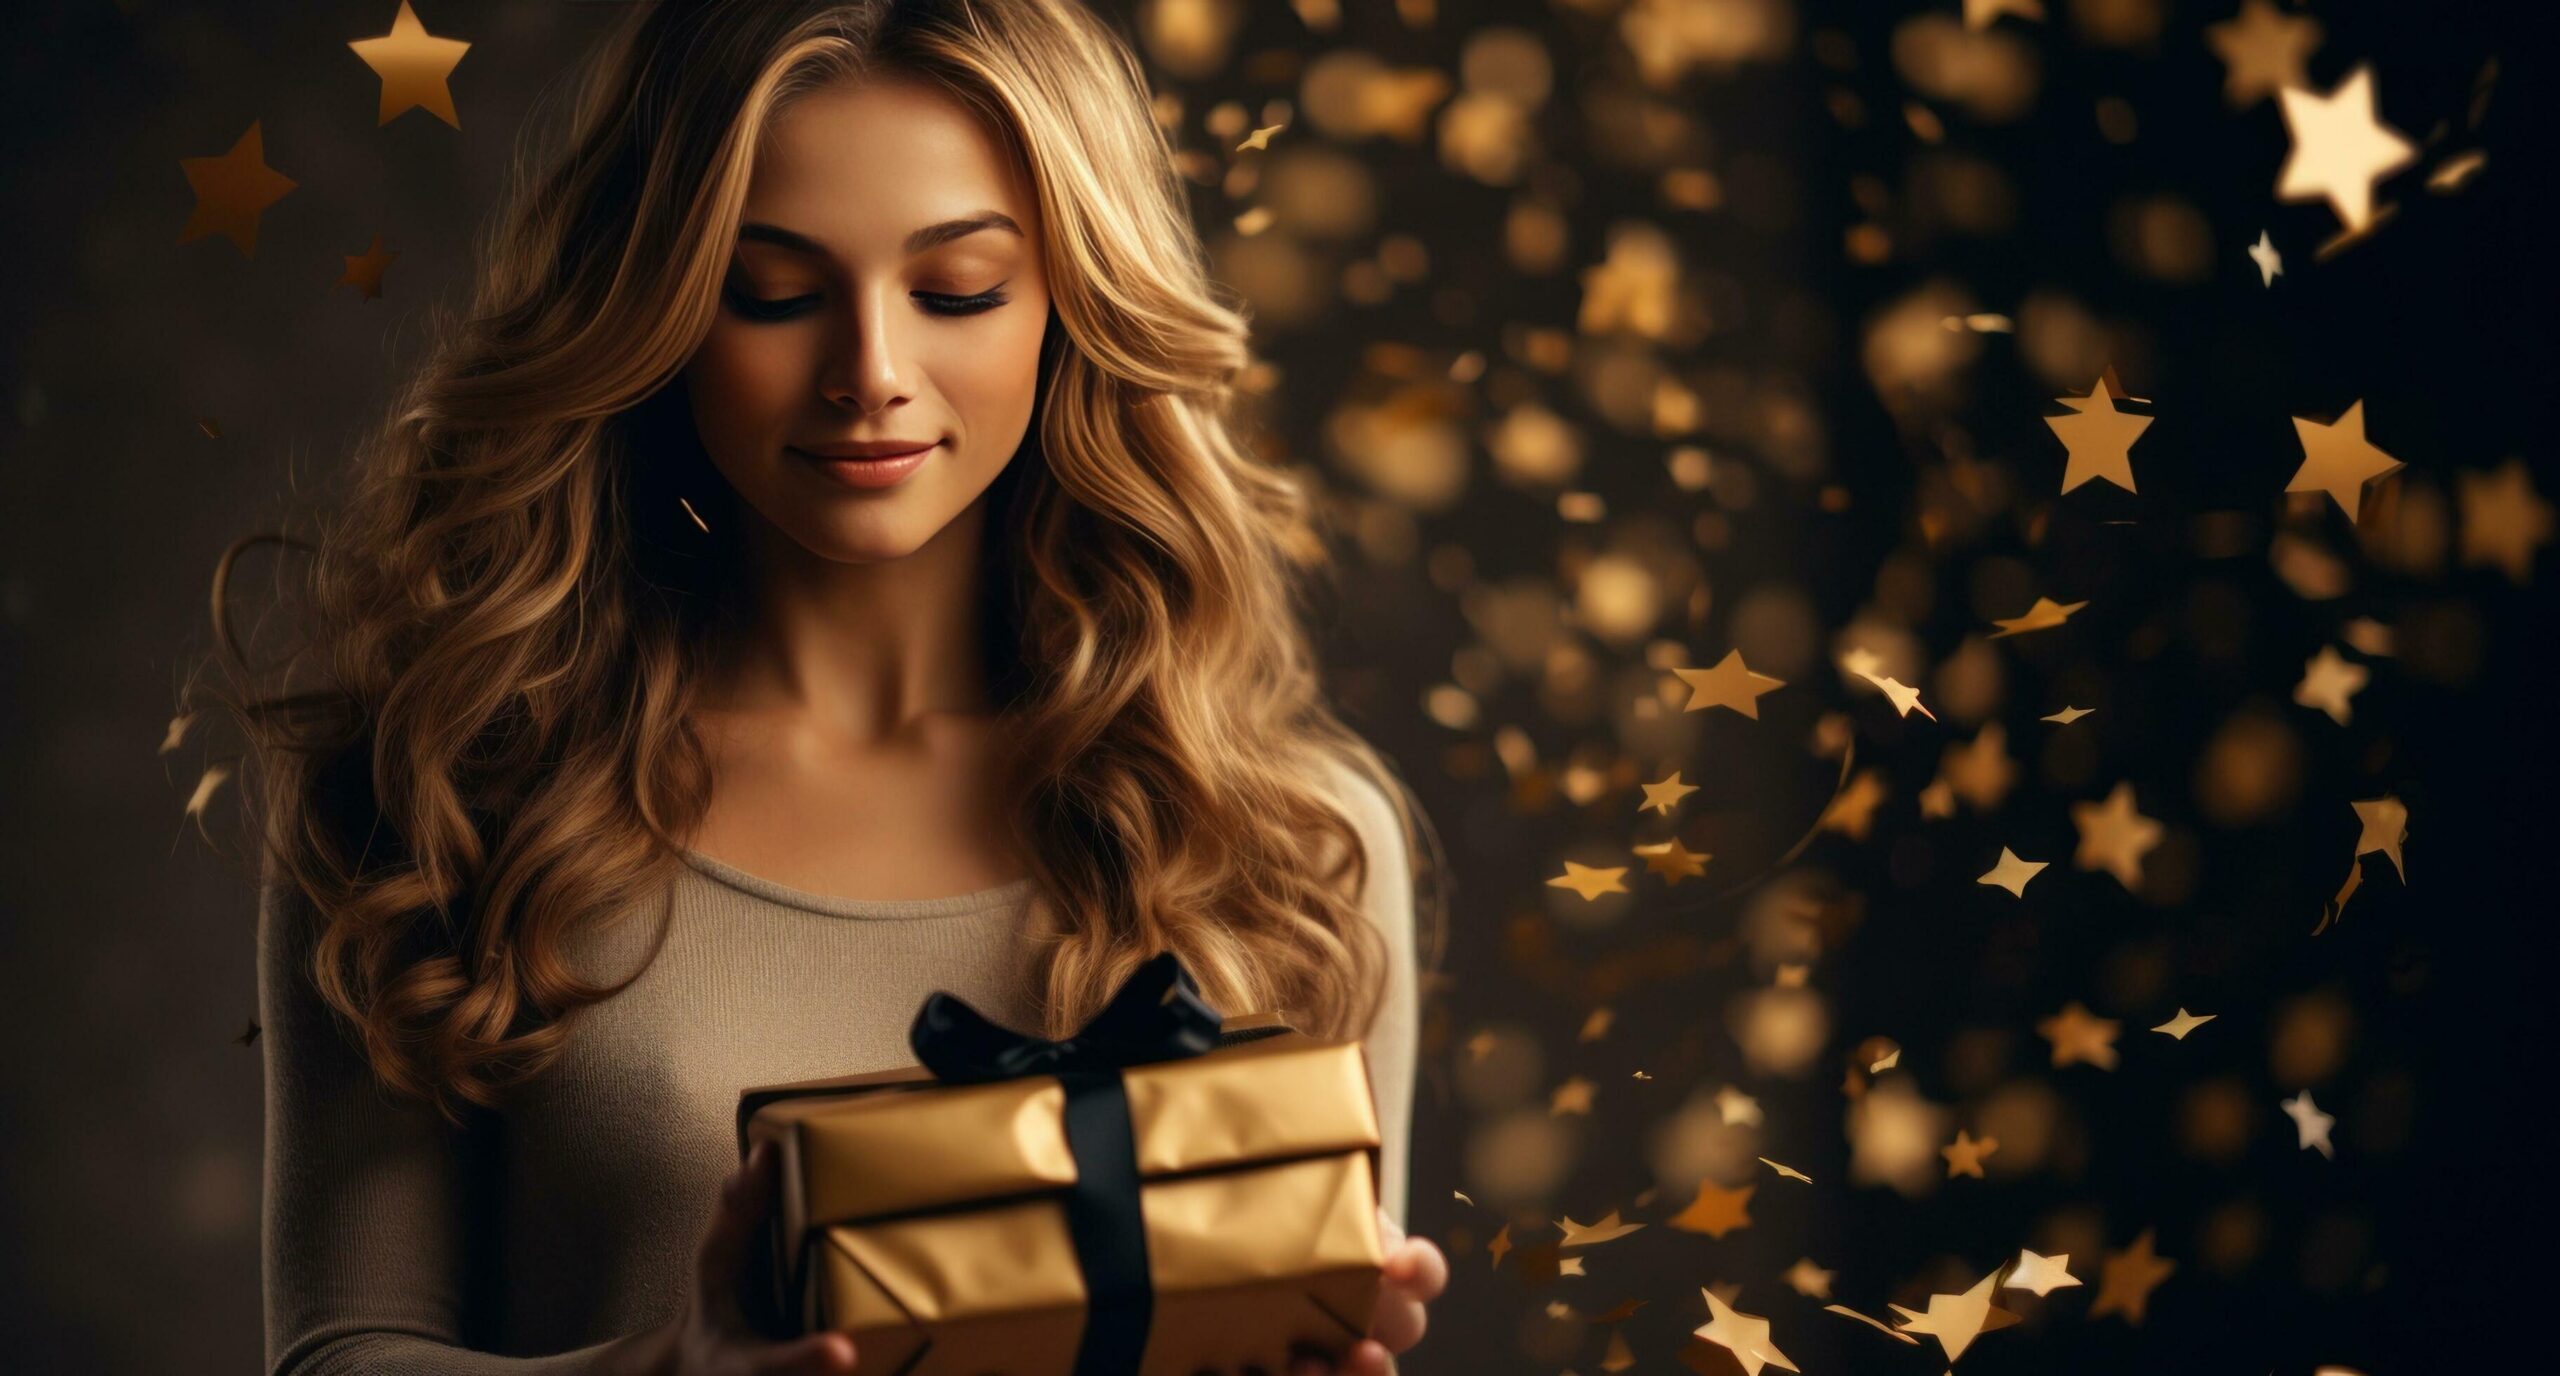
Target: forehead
(859, 164)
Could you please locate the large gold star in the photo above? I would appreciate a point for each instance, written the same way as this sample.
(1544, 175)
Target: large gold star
(2386, 825)
(1590, 882)
(1745, 1335)
(2078, 1037)
(1673, 861)
(2114, 836)
(1715, 1211)
(2339, 460)
(2328, 680)
(2503, 519)
(2340, 147)
(2262, 50)
(1666, 795)
(1730, 684)
(2012, 873)
(2098, 437)
(2043, 1275)
(1956, 1320)
(231, 190)
(1964, 1157)
(2127, 1278)
(413, 65)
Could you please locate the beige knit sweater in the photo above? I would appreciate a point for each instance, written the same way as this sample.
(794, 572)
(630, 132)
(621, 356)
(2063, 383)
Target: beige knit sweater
(394, 1246)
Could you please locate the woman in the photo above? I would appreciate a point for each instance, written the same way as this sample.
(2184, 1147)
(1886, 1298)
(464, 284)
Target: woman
(816, 573)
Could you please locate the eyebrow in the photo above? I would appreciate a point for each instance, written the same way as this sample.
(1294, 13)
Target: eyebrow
(930, 236)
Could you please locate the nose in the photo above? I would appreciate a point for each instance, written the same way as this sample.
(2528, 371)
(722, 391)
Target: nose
(867, 366)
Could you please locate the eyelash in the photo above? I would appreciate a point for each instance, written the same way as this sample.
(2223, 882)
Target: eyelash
(758, 309)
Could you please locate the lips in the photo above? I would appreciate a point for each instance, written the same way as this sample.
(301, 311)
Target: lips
(865, 449)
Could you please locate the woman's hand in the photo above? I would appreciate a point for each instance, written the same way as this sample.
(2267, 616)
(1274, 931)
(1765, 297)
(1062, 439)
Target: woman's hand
(710, 1335)
(1416, 1273)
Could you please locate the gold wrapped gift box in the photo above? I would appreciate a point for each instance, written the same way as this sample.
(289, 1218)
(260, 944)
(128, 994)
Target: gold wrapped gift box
(926, 1219)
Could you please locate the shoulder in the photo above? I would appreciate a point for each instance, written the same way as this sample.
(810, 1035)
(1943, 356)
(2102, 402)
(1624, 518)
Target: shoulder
(1381, 829)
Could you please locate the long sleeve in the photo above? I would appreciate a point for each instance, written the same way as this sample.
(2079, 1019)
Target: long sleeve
(362, 1227)
(1394, 1039)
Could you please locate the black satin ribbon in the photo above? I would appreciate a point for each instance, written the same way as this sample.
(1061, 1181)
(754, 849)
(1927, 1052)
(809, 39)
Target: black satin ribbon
(1156, 1015)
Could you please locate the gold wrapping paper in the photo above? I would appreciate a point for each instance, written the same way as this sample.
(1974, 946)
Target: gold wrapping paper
(924, 1219)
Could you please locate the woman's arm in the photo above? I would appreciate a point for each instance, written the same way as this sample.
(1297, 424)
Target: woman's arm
(1394, 1039)
(362, 1224)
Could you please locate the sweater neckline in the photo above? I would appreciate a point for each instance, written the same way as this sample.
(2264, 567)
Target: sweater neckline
(833, 905)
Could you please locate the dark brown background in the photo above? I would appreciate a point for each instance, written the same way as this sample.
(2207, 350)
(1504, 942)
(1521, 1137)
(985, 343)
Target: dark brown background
(132, 1111)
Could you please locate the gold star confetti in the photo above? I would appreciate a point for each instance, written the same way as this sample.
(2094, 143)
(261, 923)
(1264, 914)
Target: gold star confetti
(2310, 1124)
(1980, 772)
(2328, 680)
(2186, 1022)
(1715, 1211)
(413, 65)
(1501, 1243)
(1737, 1109)
(231, 191)
(365, 273)
(177, 732)
(2340, 147)
(1853, 812)
(1979, 14)
(248, 1034)
(1481, 1045)
(2338, 460)
(2098, 438)
(207, 784)
(2041, 1274)
(1608, 1229)
(2386, 825)
(1956, 1320)
(2263, 51)
(1878, 1325)
(1964, 1157)
(1666, 795)
(1596, 1025)
(2270, 263)
(2068, 715)
(1260, 139)
(1461, 1197)
(2078, 1037)
(2127, 1278)
(2044, 615)
(1746, 1335)
(1590, 882)
(1573, 1096)
(2503, 519)
(2113, 836)
(1787, 1171)
(1730, 684)
(1673, 861)
(1808, 1280)
(2012, 873)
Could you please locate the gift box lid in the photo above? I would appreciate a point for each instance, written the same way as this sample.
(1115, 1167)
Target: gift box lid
(898, 1141)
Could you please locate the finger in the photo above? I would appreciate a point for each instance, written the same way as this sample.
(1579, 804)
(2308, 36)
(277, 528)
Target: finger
(1368, 1357)
(1400, 1321)
(1421, 1269)
(819, 1354)
(723, 1253)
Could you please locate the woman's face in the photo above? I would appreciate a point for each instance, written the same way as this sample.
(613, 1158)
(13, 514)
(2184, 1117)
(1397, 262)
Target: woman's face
(886, 287)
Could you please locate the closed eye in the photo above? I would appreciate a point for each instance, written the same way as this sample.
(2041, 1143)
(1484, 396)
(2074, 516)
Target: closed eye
(760, 309)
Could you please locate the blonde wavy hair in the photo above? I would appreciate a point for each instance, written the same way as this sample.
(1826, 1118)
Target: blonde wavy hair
(509, 613)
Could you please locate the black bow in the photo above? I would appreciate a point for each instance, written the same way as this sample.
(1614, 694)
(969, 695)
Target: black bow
(1156, 1015)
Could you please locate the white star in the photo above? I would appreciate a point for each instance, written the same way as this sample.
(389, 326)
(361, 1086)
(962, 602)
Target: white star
(2310, 1124)
(2270, 263)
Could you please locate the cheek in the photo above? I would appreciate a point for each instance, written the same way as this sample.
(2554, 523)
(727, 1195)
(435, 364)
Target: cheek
(742, 385)
(992, 379)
